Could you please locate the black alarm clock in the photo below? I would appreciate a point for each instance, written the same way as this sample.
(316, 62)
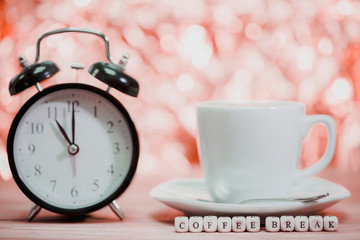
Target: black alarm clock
(73, 148)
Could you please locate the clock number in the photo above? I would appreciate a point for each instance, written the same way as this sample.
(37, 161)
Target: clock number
(52, 111)
(111, 125)
(74, 192)
(31, 148)
(53, 182)
(70, 105)
(96, 185)
(37, 171)
(111, 169)
(116, 148)
(37, 128)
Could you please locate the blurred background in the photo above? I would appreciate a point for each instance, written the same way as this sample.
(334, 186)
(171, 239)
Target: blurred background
(184, 52)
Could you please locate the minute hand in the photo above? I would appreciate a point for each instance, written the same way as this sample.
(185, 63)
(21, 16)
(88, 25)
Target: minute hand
(73, 123)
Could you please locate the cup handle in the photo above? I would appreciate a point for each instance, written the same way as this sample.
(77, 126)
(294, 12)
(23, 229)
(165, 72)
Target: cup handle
(330, 148)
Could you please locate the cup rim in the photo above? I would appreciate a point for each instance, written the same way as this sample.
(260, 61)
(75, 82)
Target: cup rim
(251, 104)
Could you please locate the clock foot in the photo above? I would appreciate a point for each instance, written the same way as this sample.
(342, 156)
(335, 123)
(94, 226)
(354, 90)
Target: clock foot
(116, 209)
(35, 209)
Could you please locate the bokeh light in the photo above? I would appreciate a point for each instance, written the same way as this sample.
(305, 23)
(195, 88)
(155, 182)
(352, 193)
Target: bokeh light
(184, 52)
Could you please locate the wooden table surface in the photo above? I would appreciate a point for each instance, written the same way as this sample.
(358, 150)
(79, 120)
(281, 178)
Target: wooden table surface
(147, 218)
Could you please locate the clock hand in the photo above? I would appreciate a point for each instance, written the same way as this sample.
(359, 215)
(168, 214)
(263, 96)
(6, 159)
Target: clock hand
(73, 148)
(73, 137)
(73, 159)
(73, 123)
(63, 132)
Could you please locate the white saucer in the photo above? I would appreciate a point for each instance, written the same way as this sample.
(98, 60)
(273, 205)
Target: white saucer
(183, 194)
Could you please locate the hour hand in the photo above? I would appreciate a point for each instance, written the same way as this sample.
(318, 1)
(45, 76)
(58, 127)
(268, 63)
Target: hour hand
(63, 132)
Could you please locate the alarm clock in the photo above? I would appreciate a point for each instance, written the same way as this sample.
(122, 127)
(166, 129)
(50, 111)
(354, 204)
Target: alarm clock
(73, 148)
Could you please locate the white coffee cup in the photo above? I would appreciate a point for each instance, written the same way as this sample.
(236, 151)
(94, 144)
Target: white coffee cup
(251, 149)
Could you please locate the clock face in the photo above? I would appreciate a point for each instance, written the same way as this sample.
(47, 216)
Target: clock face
(73, 148)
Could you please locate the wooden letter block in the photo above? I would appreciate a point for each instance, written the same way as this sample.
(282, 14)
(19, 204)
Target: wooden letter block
(316, 223)
(272, 224)
(253, 224)
(287, 223)
(301, 223)
(210, 223)
(196, 224)
(224, 224)
(238, 224)
(330, 223)
(181, 224)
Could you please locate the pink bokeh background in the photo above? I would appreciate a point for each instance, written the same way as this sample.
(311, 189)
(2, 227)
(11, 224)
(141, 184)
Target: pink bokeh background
(186, 52)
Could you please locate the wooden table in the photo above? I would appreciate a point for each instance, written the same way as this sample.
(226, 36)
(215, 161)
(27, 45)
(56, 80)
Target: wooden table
(147, 218)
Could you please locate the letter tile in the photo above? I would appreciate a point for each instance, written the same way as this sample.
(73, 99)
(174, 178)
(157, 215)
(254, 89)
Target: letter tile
(287, 223)
(316, 223)
(224, 224)
(301, 223)
(253, 223)
(195, 224)
(238, 224)
(210, 223)
(272, 224)
(181, 224)
(331, 223)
